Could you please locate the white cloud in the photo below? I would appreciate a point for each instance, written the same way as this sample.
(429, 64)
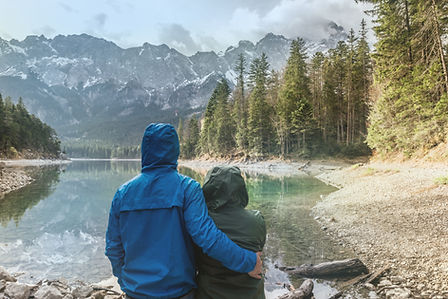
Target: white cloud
(294, 18)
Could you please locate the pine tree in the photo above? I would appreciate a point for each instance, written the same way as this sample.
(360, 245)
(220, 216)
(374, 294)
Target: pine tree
(317, 88)
(208, 130)
(215, 125)
(259, 120)
(364, 79)
(294, 107)
(350, 88)
(225, 126)
(192, 140)
(240, 107)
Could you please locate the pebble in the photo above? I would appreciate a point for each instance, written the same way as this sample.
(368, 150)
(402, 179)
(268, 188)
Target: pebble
(398, 293)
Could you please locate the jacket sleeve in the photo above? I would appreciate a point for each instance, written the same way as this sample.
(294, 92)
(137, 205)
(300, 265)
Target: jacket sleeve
(114, 246)
(206, 235)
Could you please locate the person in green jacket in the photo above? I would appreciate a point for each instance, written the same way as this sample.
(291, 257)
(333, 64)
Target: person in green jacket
(226, 198)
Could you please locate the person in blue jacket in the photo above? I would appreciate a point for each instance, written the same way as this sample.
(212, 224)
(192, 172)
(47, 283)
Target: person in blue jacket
(154, 220)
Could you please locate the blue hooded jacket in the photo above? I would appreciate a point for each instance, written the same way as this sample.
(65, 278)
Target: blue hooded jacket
(154, 220)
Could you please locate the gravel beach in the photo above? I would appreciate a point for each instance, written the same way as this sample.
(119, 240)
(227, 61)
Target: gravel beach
(396, 215)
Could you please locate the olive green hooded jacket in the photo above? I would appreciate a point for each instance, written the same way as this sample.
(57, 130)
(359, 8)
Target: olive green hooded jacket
(226, 198)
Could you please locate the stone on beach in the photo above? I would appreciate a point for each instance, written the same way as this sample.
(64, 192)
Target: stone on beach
(48, 292)
(17, 290)
(4, 275)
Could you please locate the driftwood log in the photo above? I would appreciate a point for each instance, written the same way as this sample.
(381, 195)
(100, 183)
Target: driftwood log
(368, 278)
(305, 291)
(343, 268)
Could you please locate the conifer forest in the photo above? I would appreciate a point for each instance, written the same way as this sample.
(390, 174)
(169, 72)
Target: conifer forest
(20, 130)
(354, 99)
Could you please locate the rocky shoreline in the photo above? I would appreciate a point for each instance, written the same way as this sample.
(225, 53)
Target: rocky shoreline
(13, 174)
(55, 289)
(12, 179)
(395, 216)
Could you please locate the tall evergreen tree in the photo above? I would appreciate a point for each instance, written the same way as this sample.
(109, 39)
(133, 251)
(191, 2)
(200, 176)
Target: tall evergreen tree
(225, 126)
(294, 98)
(215, 125)
(240, 106)
(192, 140)
(317, 88)
(364, 79)
(259, 120)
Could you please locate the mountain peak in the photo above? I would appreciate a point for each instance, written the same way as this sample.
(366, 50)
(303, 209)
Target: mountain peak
(272, 36)
(245, 44)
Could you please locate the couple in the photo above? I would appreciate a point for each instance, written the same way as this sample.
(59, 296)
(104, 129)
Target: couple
(160, 232)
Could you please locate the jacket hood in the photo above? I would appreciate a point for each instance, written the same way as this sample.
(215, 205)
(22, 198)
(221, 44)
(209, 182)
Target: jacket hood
(160, 146)
(225, 187)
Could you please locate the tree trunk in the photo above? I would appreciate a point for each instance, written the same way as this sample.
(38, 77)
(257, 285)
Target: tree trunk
(304, 140)
(348, 267)
(440, 44)
(408, 28)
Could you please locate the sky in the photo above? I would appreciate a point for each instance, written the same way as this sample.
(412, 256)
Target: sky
(187, 25)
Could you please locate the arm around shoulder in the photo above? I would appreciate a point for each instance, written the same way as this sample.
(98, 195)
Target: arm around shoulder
(206, 235)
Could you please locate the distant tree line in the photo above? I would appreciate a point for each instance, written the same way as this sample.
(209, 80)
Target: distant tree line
(20, 131)
(315, 106)
(410, 112)
(96, 149)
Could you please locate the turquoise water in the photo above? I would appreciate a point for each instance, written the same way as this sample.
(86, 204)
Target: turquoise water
(55, 227)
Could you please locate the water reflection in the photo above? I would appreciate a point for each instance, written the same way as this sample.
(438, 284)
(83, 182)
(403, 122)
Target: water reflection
(60, 223)
(13, 206)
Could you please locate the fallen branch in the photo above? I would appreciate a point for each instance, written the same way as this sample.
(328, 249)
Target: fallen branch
(368, 278)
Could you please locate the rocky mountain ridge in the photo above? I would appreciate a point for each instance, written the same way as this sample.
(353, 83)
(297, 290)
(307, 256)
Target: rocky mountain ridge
(89, 87)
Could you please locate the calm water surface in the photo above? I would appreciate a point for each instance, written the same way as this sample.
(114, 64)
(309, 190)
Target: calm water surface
(55, 227)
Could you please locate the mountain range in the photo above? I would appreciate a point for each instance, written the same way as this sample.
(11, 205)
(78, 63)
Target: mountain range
(88, 87)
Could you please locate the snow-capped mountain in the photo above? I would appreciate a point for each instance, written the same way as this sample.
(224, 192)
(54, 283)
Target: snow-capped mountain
(87, 86)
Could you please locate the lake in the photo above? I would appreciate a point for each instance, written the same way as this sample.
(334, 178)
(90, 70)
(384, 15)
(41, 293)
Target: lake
(55, 227)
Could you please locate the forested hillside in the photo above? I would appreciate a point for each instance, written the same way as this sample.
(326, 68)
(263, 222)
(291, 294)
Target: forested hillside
(330, 103)
(411, 112)
(23, 134)
(316, 105)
